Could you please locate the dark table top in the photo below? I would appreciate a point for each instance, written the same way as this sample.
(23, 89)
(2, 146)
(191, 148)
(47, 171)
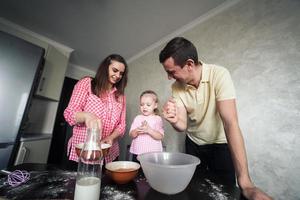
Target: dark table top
(50, 182)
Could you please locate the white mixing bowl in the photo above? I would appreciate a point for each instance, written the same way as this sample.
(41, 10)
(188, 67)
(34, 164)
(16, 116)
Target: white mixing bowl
(168, 172)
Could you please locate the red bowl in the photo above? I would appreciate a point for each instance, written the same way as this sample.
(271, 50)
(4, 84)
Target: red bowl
(122, 172)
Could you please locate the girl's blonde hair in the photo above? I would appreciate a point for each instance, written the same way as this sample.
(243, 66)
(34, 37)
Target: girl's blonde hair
(156, 110)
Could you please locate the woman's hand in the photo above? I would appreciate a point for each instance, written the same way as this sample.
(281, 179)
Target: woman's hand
(111, 138)
(108, 140)
(89, 119)
(92, 121)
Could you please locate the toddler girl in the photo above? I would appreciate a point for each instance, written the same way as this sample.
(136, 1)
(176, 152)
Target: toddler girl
(147, 128)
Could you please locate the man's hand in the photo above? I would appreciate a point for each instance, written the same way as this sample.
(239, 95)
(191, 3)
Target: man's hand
(170, 111)
(176, 115)
(254, 193)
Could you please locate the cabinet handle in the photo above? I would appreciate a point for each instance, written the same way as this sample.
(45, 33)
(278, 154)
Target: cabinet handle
(42, 84)
(21, 157)
(24, 154)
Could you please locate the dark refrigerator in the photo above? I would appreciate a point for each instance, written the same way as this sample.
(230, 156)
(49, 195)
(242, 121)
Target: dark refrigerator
(20, 66)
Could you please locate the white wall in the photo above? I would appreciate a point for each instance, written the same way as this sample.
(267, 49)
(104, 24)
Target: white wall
(78, 72)
(259, 42)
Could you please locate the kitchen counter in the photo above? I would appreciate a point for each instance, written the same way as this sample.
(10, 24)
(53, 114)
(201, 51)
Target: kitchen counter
(49, 182)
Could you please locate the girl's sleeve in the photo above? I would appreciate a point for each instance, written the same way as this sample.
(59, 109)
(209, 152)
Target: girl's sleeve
(77, 101)
(122, 124)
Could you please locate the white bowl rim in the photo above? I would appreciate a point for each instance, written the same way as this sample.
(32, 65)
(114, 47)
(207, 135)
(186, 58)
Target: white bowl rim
(103, 145)
(134, 165)
(169, 166)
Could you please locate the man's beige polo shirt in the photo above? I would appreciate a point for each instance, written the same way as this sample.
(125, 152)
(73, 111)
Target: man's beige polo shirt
(204, 125)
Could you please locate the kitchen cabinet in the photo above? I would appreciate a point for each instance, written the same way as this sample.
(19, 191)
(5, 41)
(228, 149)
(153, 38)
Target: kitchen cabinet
(53, 74)
(56, 59)
(33, 149)
(42, 108)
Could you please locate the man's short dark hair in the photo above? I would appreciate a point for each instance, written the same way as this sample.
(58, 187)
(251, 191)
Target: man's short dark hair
(180, 49)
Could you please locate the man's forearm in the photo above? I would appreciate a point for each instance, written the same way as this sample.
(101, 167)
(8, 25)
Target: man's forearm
(179, 126)
(238, 154)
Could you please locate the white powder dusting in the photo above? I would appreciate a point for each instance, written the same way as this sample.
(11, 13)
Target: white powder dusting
(215, 191)
(112, 193)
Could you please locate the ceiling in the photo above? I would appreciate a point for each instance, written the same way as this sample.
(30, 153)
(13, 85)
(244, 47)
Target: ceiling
(97, 28)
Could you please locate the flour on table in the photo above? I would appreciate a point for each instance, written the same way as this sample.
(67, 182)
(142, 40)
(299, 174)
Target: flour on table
(112, 193)
(215, 191)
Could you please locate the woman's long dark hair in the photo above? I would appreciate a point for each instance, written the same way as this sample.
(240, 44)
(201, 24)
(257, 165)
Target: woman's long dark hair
(100, 83)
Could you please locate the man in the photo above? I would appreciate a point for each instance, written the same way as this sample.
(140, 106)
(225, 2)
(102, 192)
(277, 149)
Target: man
(203, 105)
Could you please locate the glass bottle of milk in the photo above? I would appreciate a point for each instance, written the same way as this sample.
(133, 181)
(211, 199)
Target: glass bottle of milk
(88, 180)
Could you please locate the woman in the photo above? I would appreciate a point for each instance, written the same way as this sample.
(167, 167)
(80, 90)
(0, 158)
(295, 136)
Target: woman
(100, 99)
